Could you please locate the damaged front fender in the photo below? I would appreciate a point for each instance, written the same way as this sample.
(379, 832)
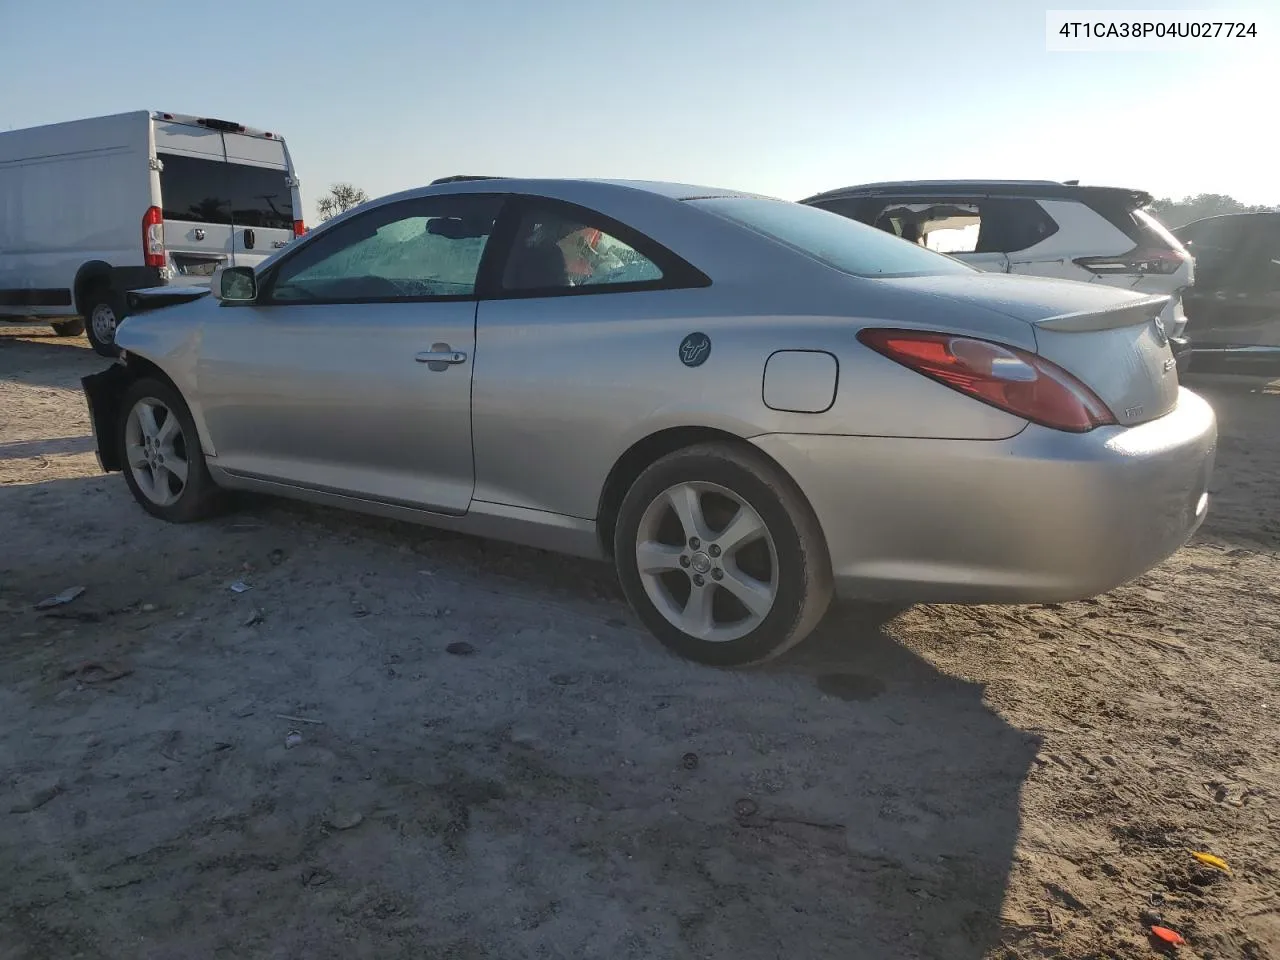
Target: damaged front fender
(104, 391)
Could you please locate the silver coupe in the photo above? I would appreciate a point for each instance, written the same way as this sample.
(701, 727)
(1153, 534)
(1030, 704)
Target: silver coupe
(748, 405)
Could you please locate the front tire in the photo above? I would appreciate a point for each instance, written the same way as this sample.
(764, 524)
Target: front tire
(721, 556)
(161, 456)
(68, 328)
(103, 311)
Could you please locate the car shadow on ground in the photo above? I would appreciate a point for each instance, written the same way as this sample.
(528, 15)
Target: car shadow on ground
(566, 787)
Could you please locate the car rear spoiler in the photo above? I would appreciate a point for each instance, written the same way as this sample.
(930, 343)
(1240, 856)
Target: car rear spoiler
(153, 298)
(1123, 315)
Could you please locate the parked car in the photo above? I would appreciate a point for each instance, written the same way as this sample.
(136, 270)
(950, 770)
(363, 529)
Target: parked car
(1038, 228)
(1235, 304)
(92, 209)
(745, 403)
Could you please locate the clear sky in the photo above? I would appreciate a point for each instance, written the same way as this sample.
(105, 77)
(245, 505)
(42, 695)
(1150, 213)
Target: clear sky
(786, 97)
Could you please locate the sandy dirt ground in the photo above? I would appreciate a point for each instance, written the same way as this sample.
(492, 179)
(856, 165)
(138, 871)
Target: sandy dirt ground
(400, 743)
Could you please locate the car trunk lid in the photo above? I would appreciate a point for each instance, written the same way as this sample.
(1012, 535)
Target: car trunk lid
(1112, 340)
(1121, 352)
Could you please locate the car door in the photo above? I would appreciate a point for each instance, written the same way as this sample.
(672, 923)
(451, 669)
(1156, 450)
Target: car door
(576, 323)
(351, 371)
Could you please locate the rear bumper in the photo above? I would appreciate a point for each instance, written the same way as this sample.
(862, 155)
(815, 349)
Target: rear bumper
(1041, 517)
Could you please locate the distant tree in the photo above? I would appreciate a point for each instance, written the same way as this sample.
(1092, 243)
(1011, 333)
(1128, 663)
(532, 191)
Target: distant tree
(1175, 213)
(340, 198)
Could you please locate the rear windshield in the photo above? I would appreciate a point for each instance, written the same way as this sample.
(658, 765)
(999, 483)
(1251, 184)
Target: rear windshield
(200, 190)
(1128, 216)
(837, 241)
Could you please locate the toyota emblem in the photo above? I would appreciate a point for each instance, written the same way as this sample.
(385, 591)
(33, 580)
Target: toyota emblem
(199, 234)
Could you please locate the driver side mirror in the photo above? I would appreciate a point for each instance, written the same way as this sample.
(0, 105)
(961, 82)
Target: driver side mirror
(237, 285)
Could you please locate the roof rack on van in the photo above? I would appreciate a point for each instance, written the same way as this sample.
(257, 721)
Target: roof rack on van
(457, 178)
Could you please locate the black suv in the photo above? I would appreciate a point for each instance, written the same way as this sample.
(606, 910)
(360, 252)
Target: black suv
(1234, 307)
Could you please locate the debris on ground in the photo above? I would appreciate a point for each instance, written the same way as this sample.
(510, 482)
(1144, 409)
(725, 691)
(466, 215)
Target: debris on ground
(92, 671)
(344, 820)
(1209, 860)
(285, 716)
(255, 618)
(240, 587)
(60, 599)
(292, 739)
(460, 648)
(1165, 935)
(37, 799)
(689, 761)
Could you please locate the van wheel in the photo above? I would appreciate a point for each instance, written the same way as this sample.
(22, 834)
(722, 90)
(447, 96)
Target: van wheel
(721, 556)
(68, 328)
(102, 314)
(161, 455)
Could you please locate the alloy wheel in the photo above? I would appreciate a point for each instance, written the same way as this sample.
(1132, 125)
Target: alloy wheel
(156, 450)
(707, 561)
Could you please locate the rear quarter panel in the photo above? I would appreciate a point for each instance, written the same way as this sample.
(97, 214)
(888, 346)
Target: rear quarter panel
(563, 386)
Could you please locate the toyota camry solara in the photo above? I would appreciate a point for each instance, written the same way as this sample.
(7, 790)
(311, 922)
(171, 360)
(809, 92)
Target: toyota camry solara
(747, 404)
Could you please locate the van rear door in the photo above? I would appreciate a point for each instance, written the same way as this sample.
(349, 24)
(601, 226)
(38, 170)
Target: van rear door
(197, 222)
(227, 198)
(262, 210)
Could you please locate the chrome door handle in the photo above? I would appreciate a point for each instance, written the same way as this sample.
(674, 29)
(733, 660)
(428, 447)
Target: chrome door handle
(441, 356)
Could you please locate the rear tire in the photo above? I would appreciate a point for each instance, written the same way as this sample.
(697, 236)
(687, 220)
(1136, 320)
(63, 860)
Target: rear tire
(103, 311)
(68, 328)
(161, 457)
(721, 556)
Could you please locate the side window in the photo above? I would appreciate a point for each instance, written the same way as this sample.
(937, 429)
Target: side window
(415, 249)
(942, 225)
(1215, 244)
(558, 248)
(997, 225)
(1012, 225)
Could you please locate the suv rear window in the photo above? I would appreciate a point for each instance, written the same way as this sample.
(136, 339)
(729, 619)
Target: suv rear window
(199, 190)
(1134, 222)
(837, 241)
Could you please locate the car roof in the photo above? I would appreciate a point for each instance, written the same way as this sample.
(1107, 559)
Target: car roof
(1041, 189)
(673, 191)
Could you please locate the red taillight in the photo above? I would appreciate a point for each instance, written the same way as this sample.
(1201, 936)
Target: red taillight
(1136, 261)
(299, 228)
(153, 237)
(1007, 378)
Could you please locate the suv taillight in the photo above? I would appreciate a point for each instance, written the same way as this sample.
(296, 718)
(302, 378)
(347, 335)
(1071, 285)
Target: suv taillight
(299, 228)
(1137, 261)
(153, 237)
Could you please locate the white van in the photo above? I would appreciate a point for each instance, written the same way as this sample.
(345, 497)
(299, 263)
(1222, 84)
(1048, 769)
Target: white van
(91, 209)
